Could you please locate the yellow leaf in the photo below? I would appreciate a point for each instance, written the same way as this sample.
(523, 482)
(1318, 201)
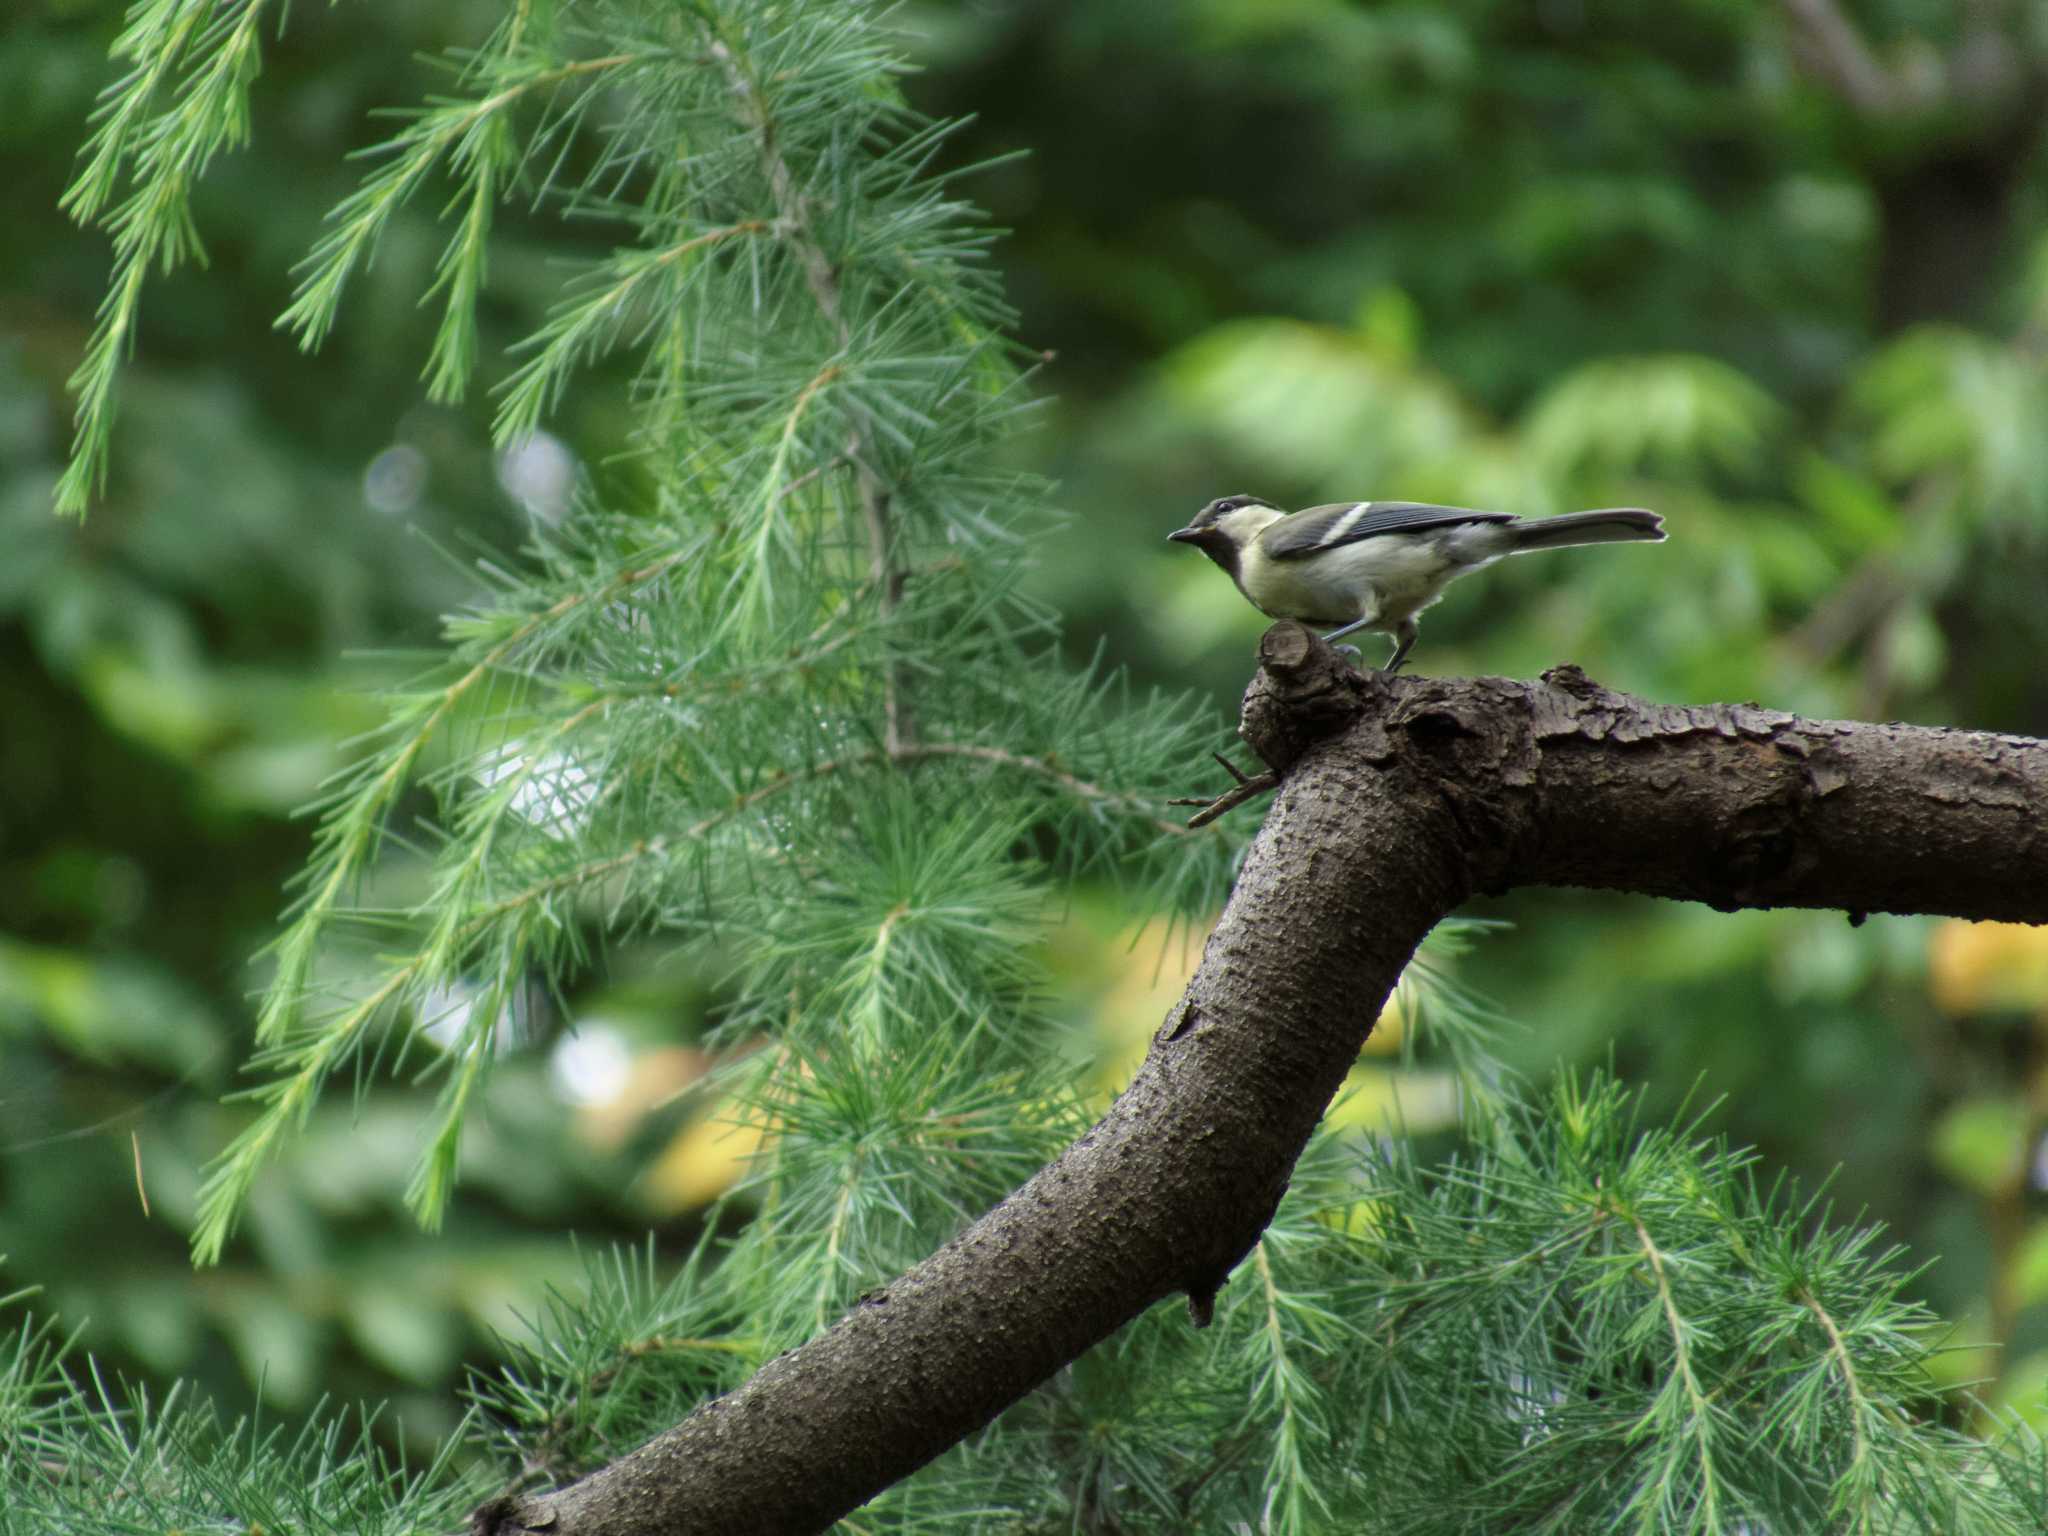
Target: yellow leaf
(705, 1158)
(1387, 1100)
(1976, 966)
(654, 1081)
(1391, 1028)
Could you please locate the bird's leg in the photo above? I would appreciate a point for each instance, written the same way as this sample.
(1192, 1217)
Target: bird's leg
(1404, 633)
(1339, 633)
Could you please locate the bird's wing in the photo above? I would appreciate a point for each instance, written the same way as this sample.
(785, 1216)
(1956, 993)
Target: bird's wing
(1346, 522)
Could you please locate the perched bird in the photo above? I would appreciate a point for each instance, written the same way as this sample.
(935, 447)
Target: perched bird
(1377, 564)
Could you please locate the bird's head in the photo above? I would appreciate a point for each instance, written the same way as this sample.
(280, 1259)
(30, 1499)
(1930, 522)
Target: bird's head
(1226, 525)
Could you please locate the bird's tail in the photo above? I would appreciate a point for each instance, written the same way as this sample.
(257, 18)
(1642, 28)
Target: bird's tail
(1613, 525)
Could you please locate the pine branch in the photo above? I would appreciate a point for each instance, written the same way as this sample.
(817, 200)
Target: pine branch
(1417, 793)
(205, 57)
(885, 569)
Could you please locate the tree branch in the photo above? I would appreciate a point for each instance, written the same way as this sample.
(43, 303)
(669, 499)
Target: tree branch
(1399, 799)
(1986, 67)
(885, 571)
(1835, 52)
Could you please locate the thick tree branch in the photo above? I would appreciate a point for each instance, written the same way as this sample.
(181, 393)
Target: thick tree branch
(1399, 798)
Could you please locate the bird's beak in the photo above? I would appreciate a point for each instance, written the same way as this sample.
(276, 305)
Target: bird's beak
(1184, 536)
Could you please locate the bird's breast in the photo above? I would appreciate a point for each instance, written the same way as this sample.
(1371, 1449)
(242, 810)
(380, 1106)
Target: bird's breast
(1295, 589)
(1380, 580)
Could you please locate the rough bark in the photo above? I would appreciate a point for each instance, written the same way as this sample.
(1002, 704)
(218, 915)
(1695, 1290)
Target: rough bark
(1399, 798)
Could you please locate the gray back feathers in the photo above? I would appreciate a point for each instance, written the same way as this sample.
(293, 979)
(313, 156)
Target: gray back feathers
(1346, 522)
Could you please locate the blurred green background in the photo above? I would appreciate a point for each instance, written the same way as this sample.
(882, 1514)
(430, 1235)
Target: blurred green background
(1785, 282)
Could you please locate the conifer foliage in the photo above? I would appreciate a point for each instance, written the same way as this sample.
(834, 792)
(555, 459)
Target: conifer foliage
(771, 692)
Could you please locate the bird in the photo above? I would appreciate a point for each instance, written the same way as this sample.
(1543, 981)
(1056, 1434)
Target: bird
(1377, 564)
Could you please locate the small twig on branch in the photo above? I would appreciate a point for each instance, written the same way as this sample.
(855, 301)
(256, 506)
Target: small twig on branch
(1231, 768)
(915, 752)
(1248, 787)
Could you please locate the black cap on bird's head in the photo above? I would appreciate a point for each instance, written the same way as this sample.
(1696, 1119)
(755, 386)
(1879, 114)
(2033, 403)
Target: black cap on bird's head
(1203, 529)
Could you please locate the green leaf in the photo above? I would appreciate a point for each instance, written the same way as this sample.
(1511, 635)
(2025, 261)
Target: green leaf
(412, 1335)
(1858, 511)
(1981, 1143)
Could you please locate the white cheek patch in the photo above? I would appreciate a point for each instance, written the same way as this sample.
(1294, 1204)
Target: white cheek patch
(1247, 523)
